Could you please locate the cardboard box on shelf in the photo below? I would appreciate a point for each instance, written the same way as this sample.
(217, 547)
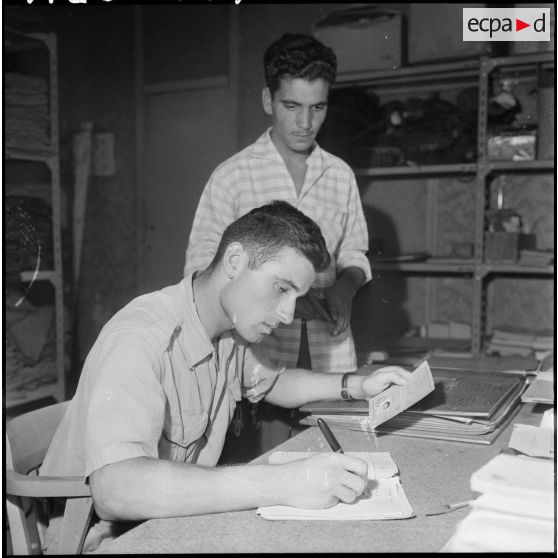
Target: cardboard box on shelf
(436, 34)
(364, 38)
(504, 247)
(516, 145)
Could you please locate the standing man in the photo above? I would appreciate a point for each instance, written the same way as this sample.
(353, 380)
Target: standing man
(286, 163)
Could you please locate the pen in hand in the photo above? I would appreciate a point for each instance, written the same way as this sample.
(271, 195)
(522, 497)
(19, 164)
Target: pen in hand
(334, 444)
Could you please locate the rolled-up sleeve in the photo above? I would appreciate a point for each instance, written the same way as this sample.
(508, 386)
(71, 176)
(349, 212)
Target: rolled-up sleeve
(126, 412)
(216, 210)
(354, 244)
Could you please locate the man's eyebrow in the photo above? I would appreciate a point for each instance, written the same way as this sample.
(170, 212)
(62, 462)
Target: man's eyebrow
(288, 281)
(289, 102)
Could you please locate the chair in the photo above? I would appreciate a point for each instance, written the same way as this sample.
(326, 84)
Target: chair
(28, 437)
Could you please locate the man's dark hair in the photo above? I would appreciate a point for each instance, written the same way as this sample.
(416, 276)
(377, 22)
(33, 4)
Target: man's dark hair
(295, 55)
(265, 230)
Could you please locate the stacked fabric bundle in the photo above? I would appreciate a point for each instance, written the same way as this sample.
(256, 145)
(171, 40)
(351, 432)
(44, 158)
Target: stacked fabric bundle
(30, 346)
(26, 113)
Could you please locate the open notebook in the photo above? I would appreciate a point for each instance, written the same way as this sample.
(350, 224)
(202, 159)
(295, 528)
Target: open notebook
(387, 498)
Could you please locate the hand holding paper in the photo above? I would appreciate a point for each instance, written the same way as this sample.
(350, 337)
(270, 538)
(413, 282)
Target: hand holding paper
(397, 398)
(382, 378)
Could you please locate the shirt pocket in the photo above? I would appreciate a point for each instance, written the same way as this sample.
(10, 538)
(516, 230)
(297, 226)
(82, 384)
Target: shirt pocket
(331, 219)
(181, 434)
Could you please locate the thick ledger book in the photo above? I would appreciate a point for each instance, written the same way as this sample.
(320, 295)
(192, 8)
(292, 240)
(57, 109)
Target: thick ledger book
(465, 406)
(387, 498)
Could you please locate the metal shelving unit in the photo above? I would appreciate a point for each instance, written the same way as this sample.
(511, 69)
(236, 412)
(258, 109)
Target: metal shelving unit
(483, 171)
(20, 43)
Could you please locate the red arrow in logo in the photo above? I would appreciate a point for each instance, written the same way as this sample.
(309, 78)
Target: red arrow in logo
(519, 25)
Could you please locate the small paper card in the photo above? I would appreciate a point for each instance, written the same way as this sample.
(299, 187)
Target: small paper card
(395, 399)
(532, 440)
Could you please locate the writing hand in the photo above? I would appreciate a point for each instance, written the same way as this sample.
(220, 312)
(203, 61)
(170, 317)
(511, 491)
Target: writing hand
(323, 479)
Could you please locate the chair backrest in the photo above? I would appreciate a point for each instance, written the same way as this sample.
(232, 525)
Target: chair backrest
(28, 437)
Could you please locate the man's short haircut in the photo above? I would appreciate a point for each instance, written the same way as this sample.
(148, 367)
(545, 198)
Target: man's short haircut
(266, 230)
(295, 55)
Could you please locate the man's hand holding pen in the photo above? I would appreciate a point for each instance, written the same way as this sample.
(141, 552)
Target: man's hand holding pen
(323, 479)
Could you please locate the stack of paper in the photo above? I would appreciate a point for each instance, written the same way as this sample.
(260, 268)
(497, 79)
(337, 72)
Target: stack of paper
(515, 512)
(464, 406)
(517, 341)
(541, 389)
(536, 258)
(387, 498)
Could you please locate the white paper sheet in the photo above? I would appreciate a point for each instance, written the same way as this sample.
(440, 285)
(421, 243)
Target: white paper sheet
(387, 498)
(532, 440)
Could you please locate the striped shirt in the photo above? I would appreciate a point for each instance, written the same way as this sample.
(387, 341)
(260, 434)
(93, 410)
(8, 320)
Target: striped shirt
(258, 175)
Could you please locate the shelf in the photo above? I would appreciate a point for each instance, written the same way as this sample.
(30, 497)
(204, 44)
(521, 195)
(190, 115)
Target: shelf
(28, 396)
(524, 59)
(426, 170)
(434, 78)
(27, 276)
(41, 157)
(20, 41)
(437, 72)
(519, 166)
(426, 72)
(465, 268)
(464, 168)
(514, 269)
(425, 267)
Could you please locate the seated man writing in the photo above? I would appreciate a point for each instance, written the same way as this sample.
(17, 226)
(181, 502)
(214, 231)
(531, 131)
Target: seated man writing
(159, 387)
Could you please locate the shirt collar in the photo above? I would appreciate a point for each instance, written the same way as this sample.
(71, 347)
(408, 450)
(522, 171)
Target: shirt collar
(196, 342)
(265, 148)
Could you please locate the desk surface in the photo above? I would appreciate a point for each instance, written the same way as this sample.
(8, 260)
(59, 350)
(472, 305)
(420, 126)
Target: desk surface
(432, 473)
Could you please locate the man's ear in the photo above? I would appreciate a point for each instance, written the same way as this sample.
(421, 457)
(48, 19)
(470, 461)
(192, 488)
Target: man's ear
(266, 100)
(234, 259)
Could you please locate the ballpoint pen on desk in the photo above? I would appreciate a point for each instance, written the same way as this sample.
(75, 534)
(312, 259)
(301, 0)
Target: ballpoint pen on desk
(446, 508)
(334, 445)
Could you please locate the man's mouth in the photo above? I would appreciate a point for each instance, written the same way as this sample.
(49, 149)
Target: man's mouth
(269, 328)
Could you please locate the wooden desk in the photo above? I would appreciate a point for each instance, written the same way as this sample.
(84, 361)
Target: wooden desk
(432, 473)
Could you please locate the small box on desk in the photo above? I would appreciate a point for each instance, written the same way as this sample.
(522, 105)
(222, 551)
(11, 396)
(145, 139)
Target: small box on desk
(364, 38)
(504, 247)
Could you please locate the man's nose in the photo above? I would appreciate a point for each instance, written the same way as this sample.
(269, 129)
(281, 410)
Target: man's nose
(305, 119)
(286, 311)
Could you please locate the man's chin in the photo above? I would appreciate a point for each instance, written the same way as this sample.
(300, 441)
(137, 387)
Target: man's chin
(253, 339)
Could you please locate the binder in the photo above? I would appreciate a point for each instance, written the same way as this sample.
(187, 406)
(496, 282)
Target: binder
(465, 406)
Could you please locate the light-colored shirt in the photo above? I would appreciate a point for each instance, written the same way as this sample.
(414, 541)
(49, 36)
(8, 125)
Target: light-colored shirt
(258, 175)
(153, 385)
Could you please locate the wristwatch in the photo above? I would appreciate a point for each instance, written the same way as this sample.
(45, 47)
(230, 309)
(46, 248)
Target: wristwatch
(344, 390)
